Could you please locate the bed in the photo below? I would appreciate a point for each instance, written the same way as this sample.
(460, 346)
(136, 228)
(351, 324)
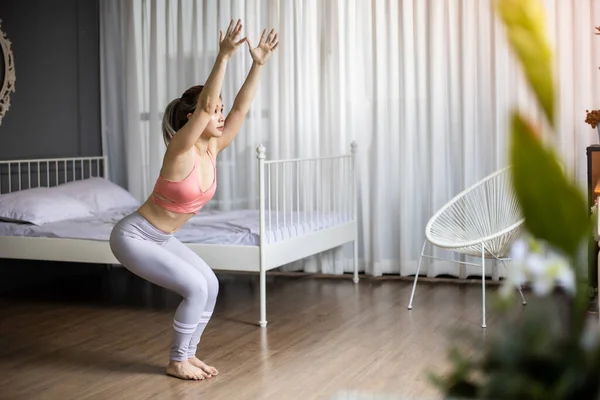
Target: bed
(63, 209)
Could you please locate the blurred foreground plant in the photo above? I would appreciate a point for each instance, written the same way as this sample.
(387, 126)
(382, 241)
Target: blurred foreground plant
(543, 352)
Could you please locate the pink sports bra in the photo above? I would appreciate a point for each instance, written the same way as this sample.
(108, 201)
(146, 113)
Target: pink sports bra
(184, 196)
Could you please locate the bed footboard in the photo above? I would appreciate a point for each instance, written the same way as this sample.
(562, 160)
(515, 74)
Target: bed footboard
(306, 206)
(302, 196)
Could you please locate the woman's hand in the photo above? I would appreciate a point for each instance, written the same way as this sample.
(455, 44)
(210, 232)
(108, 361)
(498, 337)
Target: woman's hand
(261, 53)
(228, 43)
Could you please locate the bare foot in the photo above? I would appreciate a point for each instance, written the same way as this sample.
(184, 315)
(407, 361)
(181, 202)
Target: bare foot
(206, 368)
(185, 370)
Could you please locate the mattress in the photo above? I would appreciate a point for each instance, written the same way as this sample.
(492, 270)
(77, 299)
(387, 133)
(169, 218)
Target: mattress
(240, 227)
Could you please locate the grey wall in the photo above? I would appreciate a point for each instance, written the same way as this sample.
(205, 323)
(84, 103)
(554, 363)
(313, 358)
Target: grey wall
(55, 110)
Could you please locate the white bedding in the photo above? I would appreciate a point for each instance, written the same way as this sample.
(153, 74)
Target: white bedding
(208, 227)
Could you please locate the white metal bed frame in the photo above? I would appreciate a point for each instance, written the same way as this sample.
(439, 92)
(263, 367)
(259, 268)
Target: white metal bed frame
(248, 258)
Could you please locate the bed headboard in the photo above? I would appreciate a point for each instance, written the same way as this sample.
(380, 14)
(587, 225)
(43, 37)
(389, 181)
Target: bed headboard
(18, 175)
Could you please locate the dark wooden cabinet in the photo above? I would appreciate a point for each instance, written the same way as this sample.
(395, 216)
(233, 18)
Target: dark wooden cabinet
(593, 191)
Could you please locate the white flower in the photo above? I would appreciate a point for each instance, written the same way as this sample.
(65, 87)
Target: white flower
(519, 250)
(542, 285)
(560, 270)
(535, 264)
(533, 261)
(519, 253)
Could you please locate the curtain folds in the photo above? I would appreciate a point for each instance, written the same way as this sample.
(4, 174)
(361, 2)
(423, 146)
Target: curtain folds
(425, 87)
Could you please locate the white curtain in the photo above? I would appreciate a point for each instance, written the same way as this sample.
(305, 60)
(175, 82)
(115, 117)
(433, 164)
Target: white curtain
(425, 87)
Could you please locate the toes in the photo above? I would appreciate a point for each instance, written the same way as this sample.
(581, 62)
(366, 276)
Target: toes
(190, 376)
(209, 370)
(196, 376)
(206, 369)
(202, 373)
(188, 372)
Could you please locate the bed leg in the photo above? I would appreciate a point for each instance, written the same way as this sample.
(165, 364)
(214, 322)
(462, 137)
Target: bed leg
(353, 147)
(260, 154)
(263, 299)
(355, 279)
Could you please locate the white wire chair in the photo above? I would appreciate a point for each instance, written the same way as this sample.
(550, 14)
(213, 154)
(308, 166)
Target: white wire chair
(483, 221)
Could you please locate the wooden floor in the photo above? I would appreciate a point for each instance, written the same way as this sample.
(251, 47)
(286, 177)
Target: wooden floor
(106, 335)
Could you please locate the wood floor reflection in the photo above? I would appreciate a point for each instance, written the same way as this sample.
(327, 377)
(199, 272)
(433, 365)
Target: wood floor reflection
(105, 335)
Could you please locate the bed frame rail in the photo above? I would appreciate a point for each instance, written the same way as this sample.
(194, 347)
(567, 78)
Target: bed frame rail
(305, 195)
(18, 175)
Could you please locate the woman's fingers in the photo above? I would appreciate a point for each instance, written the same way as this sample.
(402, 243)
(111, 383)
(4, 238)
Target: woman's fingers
(229, 28)
(236, 30)
(269, 40)
(262, 37)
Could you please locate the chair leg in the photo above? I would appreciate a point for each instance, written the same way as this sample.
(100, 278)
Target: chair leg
(522, 296)
(412, 294)
(483, 324)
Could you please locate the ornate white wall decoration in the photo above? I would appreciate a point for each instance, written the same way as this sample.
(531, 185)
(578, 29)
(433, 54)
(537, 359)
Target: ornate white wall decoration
(8, 80)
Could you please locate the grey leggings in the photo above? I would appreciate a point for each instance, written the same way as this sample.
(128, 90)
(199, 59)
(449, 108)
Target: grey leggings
(162, 259)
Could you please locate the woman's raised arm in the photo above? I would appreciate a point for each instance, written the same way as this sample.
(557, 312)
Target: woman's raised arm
(208, 99)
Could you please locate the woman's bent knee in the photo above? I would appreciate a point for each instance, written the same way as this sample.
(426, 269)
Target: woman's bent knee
(213, 283)
(197, 288)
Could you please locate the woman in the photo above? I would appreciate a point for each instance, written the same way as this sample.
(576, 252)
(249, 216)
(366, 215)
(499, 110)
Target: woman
(195, 131)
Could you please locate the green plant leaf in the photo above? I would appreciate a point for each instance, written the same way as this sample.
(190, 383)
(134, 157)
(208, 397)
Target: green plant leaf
(462, 390)
(526, 33)
(554, 209)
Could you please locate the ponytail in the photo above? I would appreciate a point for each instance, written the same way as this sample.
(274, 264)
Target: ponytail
(169, 121)
(175, 116)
